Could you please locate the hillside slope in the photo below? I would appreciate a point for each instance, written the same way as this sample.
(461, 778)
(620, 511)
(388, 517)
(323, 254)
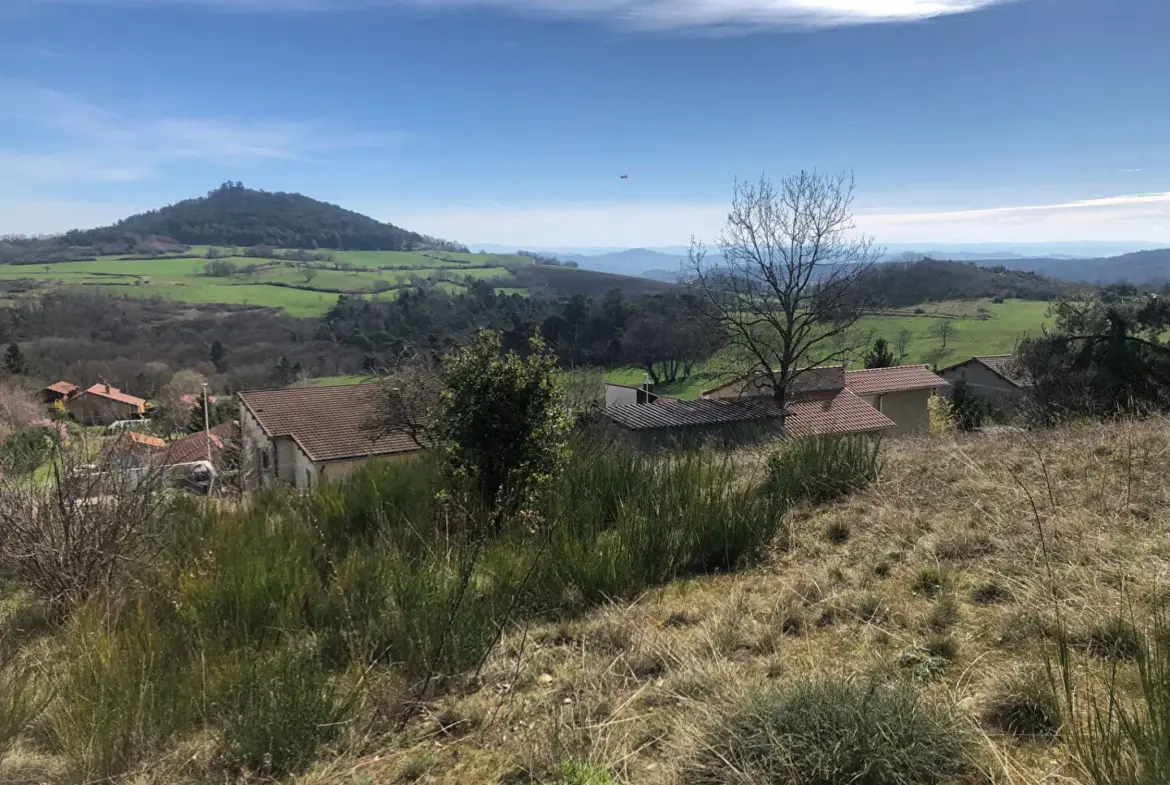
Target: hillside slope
(1140, 267)
(238, 216)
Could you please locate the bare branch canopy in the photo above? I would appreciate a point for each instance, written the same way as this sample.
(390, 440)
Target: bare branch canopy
(787, 284)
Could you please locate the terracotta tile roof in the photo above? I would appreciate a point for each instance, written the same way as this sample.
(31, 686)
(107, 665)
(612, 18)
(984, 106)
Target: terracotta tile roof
(194, 447)
(878, 381)
(999, 364)
(329, 423)
(825, 412)
(153, 442)
(670, 413)
(114, 394)
(63, 388)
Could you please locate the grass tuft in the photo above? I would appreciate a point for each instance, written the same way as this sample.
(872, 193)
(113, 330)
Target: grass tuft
(833, 730)
(821, 469)
(1024, 705)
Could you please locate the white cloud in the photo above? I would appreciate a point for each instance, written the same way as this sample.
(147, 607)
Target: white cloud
(79, 141)
(654, 14)
(1144, 217)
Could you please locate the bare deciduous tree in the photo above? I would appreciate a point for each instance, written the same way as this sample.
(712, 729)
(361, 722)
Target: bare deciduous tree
(944, 330)
(902, 343)
(787, 289)
(404, 397)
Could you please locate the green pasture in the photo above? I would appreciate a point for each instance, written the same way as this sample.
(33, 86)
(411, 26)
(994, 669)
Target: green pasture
(184, 280)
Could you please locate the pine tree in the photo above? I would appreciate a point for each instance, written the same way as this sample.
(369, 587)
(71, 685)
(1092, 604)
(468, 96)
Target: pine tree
(880, 356)
(218, 356)
(14, 361)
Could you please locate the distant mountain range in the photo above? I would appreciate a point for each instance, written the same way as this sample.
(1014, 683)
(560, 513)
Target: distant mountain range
(1139, 267)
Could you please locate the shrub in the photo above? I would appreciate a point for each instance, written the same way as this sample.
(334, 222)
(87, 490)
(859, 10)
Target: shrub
(823, 468)
(24, 451)
(274, 712)
(503, 419)
(867, 732)
(1024, 705)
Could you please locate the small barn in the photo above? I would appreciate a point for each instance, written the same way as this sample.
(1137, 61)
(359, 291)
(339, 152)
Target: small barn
(995, 377)
(102, 404)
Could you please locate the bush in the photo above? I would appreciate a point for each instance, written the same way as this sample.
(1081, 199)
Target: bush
(275, 712)
(24, 451)
(823, 468)
(1024, 705)
(865, 732)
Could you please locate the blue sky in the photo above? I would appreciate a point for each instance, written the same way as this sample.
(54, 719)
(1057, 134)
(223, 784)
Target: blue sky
(511, 121)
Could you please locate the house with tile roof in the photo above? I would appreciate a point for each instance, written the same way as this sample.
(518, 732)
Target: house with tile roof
(193, 448)
(821, 402)
(58, 391)
(901, 393)
(302, 436)
(992, 376)
(102, 404)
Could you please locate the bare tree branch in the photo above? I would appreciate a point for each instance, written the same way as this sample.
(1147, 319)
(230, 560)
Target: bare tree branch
(786, 288)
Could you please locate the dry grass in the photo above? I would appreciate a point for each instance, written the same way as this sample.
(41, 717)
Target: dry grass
(625, 690)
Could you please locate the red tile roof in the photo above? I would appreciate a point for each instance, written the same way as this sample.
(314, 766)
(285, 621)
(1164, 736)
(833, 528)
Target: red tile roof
(194, 447)
(63, 388)
(152, 442)
(879, 381)
(329, 423)
(671, 413)
(114, 394)
(825, 412)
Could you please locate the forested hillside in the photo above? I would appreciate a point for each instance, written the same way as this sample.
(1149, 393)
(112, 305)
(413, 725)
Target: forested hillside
(231, 215)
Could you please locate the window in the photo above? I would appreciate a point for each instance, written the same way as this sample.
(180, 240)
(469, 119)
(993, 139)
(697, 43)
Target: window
(264, 460)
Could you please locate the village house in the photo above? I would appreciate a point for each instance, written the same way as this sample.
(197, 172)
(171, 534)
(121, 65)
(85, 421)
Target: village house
(304, 435)
(58, 391)
(900, 393)
(200, 445)
(992, 376)
(102, 404)
(821, 402)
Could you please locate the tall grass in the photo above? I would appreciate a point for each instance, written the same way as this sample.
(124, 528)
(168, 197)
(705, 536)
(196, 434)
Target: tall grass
(823, 468)
(1119, 726)
(253, 616)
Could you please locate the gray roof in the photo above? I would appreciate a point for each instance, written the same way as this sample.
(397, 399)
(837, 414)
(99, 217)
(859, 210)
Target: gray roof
(1003, 365)
(670, 413)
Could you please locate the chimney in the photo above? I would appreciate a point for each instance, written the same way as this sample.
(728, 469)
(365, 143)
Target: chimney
(107, 389)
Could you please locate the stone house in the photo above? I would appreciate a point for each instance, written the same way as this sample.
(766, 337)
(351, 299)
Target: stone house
(992, 376)
(102, 404)
(303, 436)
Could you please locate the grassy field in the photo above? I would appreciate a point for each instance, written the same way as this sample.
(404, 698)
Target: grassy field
(980, 327)
(184, 279)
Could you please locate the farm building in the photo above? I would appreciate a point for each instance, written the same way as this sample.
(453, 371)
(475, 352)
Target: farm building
(304, 435)
(102, 404)
(992, 376)
(58, 391)
(668, 423)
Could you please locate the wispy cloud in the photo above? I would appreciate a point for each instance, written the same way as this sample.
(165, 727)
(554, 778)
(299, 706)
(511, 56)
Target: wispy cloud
(76, 140)
(650, 14)
(1139, 217)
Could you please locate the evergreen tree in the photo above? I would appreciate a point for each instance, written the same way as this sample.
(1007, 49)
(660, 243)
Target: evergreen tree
(880, 356)
(970, 409)
(218, 356)
(14, 361)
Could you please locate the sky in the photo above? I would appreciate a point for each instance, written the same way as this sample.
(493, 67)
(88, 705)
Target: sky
(512, 121)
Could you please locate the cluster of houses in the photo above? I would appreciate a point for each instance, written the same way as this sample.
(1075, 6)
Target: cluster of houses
(124, 414)
(306, 435)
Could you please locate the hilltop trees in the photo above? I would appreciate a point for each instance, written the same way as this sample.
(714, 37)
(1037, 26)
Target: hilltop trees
(786, 289)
